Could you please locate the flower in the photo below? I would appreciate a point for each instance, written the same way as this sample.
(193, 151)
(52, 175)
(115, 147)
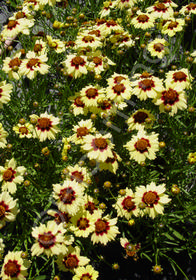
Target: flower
(181, 78)
(98, 147)
(153, 197)
(125, 4)
(142, 146)
(122, 40)
(50, 239)
(143, 20)
(46, 126)
(56, 44)
(90, 204)
(32, 64)
(3, 135)
(160, 10)
(192, 158)
(85, 273)
(193, 54)
(120, 91)
(190, 9)
(10, 175)
(158, 47)
(71, 260)
(32, 5)
(140, 118)
(8, 209)
(105, 11)
(125, 205)
(75, 65)
(69, 196)
(78, 107)
(131, 249)
(79, 174)
(5, 90)
(85, 40)
(60, 217)
(24, 130)
(14, 266)
(111, 163)
(83, 128)
(172, 26)
(105, 229)
(174, 97)
(11, 66)
(110, 26)
(90, 95)
(98, 63)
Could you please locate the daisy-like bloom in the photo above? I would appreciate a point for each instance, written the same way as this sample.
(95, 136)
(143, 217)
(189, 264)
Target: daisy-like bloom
(8, 209)
(60, 217)
(2, 246)
(24, 130)
(192, 158)
(51, 239)
(90, 95)
(110, 26)
(56, 44)
(161, 10)
(75, 65)
(123, 40)
(105, 229)
(125, 205)
(131, 249)
(71, 260)
(143, 20)
(111, 163)
(14, 266)
(98, 147)
(140, 118)
(83, 128)
(85, 273)
(5, 90)
(90, 204)
(40, 47)
(3, 135)
(153, 197)
(98, 63)
(158, 47)
(78, 107)
(180, 77)
(118, 92)
(33, 64)
(142, 146)
(107, 5)
(125, 4)
(85, 40)
(79, 174)
(32, 5)
(193, 54)
(82, 224)
(117, 79)
(190, 9)
(46, 126)
(172, 26)
(69, 196)
(10, 175)
(14, 27)
(11, 66)
(175, 98)
(171, 3)
(106, 107)
(148, 87)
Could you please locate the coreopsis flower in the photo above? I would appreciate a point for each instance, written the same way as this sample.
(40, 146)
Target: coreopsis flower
(140, 118)
(59, 217)
(22, 14)
(14, 27)
(125, 4)
(46, 126)
(122, 40)
(85, 273)
(106, 107)
(147, 87)
(110, 26)
(143, 145)
(130, 249)
(105, 229)
(71, 260)
(181, 78)
(168, 2)
(189, 8)
(98, 63)
(118, 92)
(107, 6)
(158, 47)
(66, 146)
(51, 239)
(78, 107)
(85, 40)
(161, 10)
(172, 26)
(192, 158)
(98, 146)
(3, 135)
(11, 175)
(90, 95)
(143, 20)
(82, 224)
(24, 130)
(153, 197)
(32, 5)
(5, 90)
(40, 47)
(2, 246)
(83, 128)
(11, 66)
(175, 98)
(90, 204)
(79, 174)
(111, 163)
(69, 196)
(75, 65)
(14, 266)
(55, 44)
(32, 64)
(125, 205)
(117, 79)
(8, 209)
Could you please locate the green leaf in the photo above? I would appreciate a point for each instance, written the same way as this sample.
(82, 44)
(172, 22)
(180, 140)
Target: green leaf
(41, 277)
(178, 235)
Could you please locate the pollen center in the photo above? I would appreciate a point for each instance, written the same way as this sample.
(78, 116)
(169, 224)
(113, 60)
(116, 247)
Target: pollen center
(15, 62)
(160, 7)
(7, 175)
(44, 123)
(12, 268)
(86, 277)
(78, 102)
(92, 92)
(97, 60)
(100, 226)
(142, 18)
(82, 223)
(179, 76)
(82, 131)
(128, 203)
(111, 23)
(37, 48)
(150, 198)
(146, 84)
(11, 24)
(67, 195)
(118, 79)
(20, 15)
(145, 74)
(191, 6)
(158, 47)
(119, 88)
(87, 39)
(141, 145)
(76, 175)
(23, 130)
(140, 117)
(2, 211)
(46, 240)
(170, 95)
(33, 62)
(78, 61)
(173, 24)
(101, 143)
(71, 262)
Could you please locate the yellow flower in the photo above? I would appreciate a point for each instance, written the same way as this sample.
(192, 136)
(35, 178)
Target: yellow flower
(56, 44)
(192, 158)
(3, 135)
(5, 90)
(172, 26)
(88, 272)
(8, 207)
(24, 130)
(75, 65)
(11, 66)
(179, 78)
(158, 47)
(143, 20)
(140, 118)
(160, 10)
